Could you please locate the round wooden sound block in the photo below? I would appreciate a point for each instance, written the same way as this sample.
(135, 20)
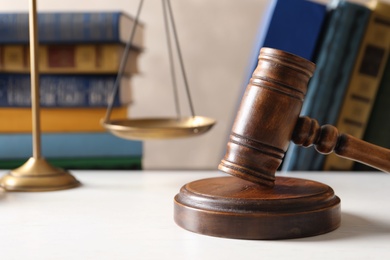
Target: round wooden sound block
(234, 208)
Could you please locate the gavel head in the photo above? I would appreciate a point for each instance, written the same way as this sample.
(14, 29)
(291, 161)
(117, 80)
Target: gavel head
(267, 116)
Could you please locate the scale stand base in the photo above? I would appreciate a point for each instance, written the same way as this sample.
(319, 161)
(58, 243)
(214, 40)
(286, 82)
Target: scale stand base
(234, 208)
(38, 175)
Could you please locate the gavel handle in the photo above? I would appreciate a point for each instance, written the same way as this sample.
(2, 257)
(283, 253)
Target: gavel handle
(327, 139)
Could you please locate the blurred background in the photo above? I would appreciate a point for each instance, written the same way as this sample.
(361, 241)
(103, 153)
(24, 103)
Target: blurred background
(217, 42)
(216, 39)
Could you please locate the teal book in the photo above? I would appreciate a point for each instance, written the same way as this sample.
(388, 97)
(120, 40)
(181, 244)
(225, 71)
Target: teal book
(69, 145)
(335, 61)
(378, 127)
(71, 27)
(64, 90)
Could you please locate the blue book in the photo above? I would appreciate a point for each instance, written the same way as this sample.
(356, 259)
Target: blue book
(290, 25)
(69, 145)
(334, 64)
(64, 90)
(70, 27)
(293, 26)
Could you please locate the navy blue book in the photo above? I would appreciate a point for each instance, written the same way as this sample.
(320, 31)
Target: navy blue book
(64, 90)
(334, 65)
(71, 27)
(293, 26)
(290, 25)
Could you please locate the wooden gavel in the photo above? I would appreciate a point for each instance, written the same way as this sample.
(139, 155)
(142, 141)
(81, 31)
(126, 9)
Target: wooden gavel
(268, 119)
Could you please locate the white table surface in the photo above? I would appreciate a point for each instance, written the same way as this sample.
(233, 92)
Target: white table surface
(129, 215)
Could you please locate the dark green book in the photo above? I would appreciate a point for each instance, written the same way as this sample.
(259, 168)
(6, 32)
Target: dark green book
(84, 163)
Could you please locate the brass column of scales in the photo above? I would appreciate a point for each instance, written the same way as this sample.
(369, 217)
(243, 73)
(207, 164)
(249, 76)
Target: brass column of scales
(38, 175)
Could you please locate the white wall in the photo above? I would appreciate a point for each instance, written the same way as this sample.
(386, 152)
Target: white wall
(216, 40)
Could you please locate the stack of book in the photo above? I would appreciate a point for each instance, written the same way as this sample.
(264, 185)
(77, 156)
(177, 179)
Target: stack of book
(78, 58)
(350, 44)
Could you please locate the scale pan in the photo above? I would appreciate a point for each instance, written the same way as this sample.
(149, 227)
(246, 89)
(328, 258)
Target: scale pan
(158, 128)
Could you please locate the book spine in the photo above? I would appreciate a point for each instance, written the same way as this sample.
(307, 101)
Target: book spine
(84, 163)
(58, 120)
(67, 27)
(19, 146)
(364, 82)
(278, 29)
(69, 59)
(63, 90)
(378, 127)
(334, 64)
(288, 15)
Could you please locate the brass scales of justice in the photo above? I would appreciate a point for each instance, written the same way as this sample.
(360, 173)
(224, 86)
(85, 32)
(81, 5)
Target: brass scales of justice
(38, 175)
